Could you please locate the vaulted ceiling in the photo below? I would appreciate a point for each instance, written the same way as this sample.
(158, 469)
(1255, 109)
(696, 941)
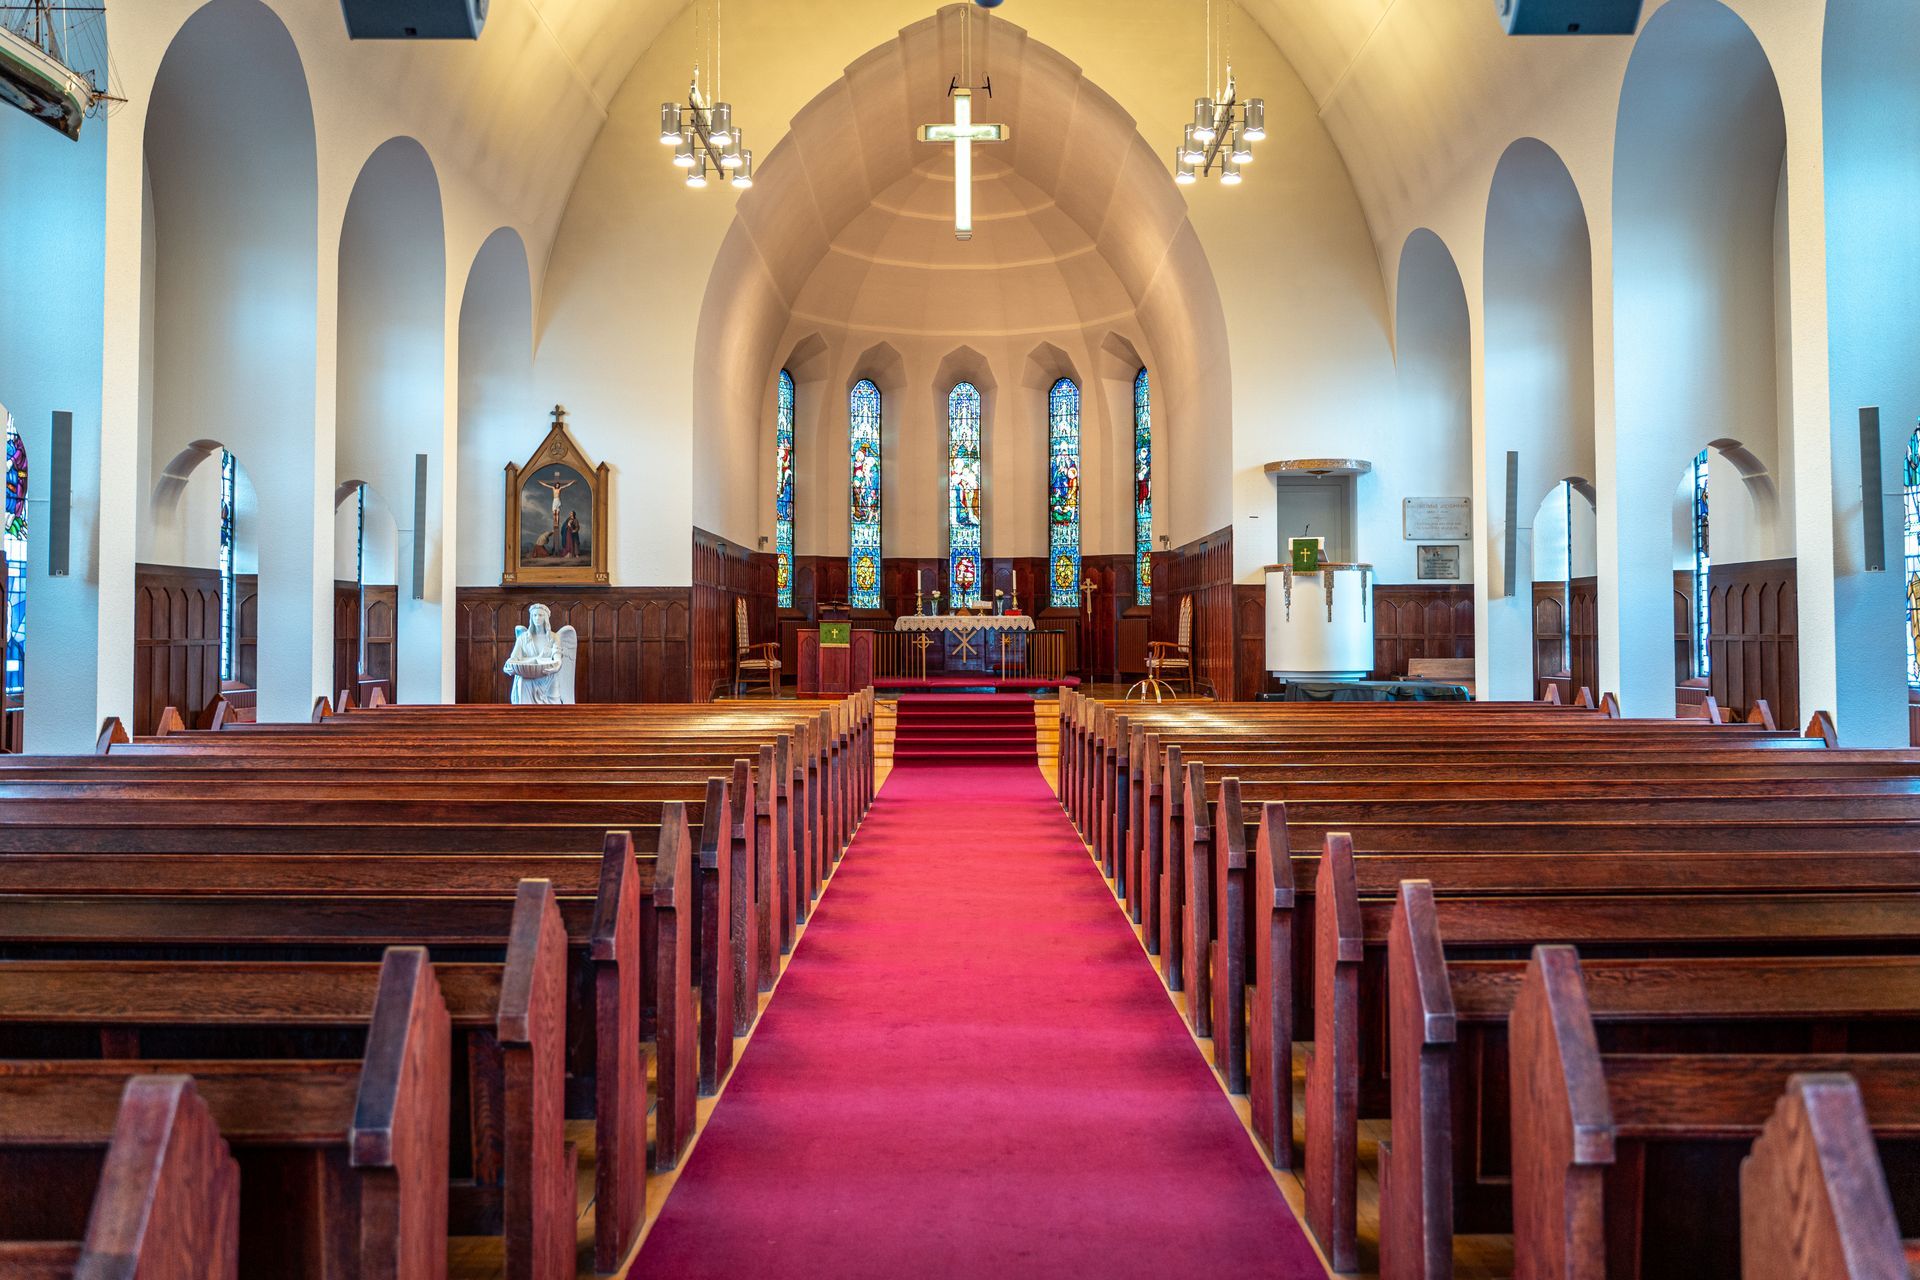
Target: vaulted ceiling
(1400, 84)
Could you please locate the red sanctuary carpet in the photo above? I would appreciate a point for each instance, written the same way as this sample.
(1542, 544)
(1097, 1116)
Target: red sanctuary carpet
(971, 1070)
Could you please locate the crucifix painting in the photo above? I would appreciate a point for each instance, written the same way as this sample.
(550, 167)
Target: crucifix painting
(556, 513)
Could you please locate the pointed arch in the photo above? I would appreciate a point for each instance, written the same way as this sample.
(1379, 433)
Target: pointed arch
(964, 498)
(1063, 494)
(865, 423)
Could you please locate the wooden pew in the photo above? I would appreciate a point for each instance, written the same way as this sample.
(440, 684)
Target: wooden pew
(1592, 1132)
(346, 1161)
(181, 904)
(519, 1182)
(167, 1206)
(1814, 1203)
(1445, 1168)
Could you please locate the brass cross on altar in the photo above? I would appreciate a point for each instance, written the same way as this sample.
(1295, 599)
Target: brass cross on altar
(963, 133)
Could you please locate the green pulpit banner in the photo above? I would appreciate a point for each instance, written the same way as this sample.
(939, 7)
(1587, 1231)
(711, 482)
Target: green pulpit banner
(1305, 553)
(836, 635)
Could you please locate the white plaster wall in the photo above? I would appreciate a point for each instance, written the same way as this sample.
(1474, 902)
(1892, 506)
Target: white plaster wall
(499, 418)
(1432, 454)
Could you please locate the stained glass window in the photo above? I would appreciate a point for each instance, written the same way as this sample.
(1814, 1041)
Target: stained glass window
(1702, 560)
(1063, 493)
(14, 539)
(1912, 508)
(226, 564)
(1142, 489)
(863, 438)
(963, 495)
(783, 491)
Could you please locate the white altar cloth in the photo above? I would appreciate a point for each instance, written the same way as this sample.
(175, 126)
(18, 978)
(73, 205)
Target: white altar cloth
(962, 623)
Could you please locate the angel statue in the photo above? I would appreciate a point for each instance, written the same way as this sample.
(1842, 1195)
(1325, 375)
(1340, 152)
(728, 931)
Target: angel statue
(542, 660)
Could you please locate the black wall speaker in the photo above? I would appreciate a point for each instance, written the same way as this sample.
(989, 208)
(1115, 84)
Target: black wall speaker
(419, 526)
(1569, 17)
(1873, 511)
(414, 19)
(1509, 566)
(60, 496)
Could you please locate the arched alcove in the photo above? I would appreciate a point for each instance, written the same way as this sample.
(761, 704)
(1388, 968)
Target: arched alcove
(366, 582)
(1871, 109)
(499, 418)
(1434, 441)
(1565, 566)
(1539, 377)
(849, 231)
(1699, 301)
(392, 371)
(233, 229)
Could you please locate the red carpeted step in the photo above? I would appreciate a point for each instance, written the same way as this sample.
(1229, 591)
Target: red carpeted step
(964, 728)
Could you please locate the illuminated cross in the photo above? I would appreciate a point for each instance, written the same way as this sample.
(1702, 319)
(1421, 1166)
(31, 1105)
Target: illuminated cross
(963, 133)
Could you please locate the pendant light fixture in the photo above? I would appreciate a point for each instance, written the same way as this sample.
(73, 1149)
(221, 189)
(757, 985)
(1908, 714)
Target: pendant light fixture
(701, 131)
(1220, 138)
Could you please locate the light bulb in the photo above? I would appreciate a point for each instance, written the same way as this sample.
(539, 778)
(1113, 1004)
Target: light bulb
(1203, 119)
(1194, 151)
(743, 176)
(1230, 172)
(1242, 152)
(697, 177)
(719, 121)
(730, 157)
(683, 152)
(1182, 168)
(670, 123)
(1256, 130)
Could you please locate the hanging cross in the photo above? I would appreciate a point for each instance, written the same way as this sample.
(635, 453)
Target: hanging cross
(963, 133)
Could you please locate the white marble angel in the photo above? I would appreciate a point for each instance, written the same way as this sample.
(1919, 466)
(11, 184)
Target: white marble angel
(542, 661)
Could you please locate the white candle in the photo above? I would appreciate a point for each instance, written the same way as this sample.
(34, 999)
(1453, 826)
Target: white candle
(919, 579)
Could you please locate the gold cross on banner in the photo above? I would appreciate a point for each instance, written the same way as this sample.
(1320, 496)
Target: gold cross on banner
(963, 133)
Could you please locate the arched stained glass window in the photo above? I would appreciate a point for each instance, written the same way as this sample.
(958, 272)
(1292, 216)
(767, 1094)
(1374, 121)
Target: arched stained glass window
(1142, 489)
(1911, 505)
(783, 491)
(1063, 493)
(963, 495)
(228, 496)
(14, 541)
(1702, 561)
(863, 438)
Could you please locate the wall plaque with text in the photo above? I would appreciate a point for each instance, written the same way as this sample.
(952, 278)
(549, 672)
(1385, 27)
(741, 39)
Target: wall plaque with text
(1437, 519)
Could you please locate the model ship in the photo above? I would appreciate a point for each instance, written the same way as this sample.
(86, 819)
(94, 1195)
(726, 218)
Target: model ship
(40, 70)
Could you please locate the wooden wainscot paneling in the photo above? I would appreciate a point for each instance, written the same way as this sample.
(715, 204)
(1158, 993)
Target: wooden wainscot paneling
(724, 571)
(635, 642)
(1753, 641)
(1583, 616)
(1202, 569)
(176, 640)
(1420, 620)
(1549, 635)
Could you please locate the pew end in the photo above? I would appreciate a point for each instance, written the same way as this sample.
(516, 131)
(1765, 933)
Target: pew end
(1333, 1068)
(1761, 713)
(1823, 728)
(1610, 706)
(1563, 1135)
(620, 1077)
(400, 1121)
(168, 1202)
(322, 709)
(1814, 1201)
(1270, 1033)
(113, 733)
(1416, 1199)
(1229, 888)
(531, 1030)
(1550, 693)
(1584, 698)
(170, 722)
(676, 905)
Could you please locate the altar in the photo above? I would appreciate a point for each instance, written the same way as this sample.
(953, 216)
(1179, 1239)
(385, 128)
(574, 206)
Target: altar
(972, 643)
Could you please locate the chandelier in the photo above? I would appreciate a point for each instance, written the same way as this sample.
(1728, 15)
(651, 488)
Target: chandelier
(705, 140)
(1224, 128)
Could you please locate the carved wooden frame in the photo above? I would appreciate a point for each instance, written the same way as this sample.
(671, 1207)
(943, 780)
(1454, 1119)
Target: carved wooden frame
(558, 447)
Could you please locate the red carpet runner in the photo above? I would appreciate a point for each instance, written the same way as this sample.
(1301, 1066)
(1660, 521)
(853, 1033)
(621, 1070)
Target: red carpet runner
(964, 728)
(971, 1070)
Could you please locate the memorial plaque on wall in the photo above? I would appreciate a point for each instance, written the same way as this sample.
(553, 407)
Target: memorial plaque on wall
(1438, 564)
(1437, 519)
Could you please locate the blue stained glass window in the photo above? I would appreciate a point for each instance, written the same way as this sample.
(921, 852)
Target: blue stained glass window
(863, 438)
(1912, 547)
(1063, 493)
(14, 540)
(783, 491)
(963, 493)
(1702, 561)
(227, 487)
(1142, 489)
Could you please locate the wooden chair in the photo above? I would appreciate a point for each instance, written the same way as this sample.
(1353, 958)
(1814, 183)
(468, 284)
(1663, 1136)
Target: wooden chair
(1174, 658)
(753, 664)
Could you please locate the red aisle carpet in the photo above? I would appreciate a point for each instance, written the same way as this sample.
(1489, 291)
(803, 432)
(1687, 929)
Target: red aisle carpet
(971, 1070)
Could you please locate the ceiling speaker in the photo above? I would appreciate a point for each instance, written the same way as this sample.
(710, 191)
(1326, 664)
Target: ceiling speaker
(414, 19)
(1569, 17)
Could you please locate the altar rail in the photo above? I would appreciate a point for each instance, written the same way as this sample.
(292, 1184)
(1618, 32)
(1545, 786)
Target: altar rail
(897, 657)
